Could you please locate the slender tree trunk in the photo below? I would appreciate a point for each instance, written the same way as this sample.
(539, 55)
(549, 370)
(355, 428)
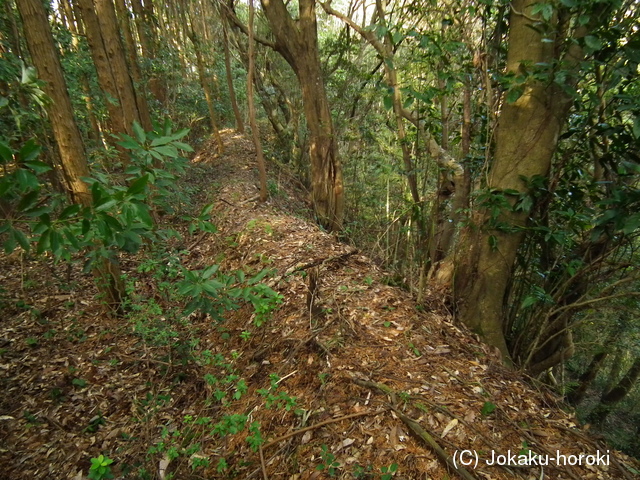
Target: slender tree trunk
(229, 75)
(252, 110)
(206, 86)
(614, 396)
(587, 378)
(65, 130)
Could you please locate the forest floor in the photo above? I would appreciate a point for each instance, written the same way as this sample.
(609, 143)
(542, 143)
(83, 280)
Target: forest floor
(348, 378)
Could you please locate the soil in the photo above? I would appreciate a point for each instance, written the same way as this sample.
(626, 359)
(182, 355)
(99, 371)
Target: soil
(347, 378)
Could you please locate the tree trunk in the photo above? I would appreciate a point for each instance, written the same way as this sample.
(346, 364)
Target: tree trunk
(133, 104)
(255, 132)
(229, 75)
(614, 396)
(576, 396)
(65, 130)
(297, 42)
(204, 80)
(526, 139)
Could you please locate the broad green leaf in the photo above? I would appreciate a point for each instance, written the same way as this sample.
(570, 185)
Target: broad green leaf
(160, 141)
(22, 240)
(69, 212)
(38, 167)
(138, 185)
(593, 42)
(6, 154)
(26, 179)
(388, 102)
(636, 127)
(30, 151)
(209, 271)
(183, 146)
(180, 133)
(139, 132)
(167, 151)
(106, 204)
(28, 201)
(514, 94)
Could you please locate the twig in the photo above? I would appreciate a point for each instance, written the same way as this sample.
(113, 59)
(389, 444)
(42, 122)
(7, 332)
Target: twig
(263, 465)
(323, 261)
(321, 424)
(249, 200)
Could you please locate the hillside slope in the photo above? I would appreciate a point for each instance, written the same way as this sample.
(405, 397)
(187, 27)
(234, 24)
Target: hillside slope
(347, 379)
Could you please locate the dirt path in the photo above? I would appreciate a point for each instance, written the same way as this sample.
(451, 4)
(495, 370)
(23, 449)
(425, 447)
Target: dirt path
(348, 378)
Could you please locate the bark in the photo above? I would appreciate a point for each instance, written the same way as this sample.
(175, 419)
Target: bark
(204, 79)
(587, 378)
(65, 130)
(143, 17)
(60, 111)
(106, 80)
(526, 139)
(297, 42)
(610, 399)
(133, 104)
(252, 110)
(229, 76)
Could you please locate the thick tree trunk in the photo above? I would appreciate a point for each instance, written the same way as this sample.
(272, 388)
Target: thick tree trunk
(526, 139)
(132, 103)
(297, 42)
(66, 132)
(113, 75)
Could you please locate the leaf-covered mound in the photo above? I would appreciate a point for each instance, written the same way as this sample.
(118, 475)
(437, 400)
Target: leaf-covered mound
(347, 378)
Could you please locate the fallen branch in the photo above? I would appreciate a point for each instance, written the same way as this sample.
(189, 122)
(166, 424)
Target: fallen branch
(417, 429)
(318, 425)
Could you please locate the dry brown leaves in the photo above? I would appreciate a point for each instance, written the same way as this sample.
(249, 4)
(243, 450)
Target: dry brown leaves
(357, 330)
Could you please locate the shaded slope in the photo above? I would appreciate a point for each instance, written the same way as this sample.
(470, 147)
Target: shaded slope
(348, 374)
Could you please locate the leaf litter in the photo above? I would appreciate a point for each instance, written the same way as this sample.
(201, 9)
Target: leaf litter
(372, 379)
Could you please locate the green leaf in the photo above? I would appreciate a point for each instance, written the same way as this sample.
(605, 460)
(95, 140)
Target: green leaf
(138, 185)
(387, 100)
(26, 179)
(636, 127)
(139, 132)
(29, 151)
(160, 141)
(29, 200)
(514, 94)
(38, 166)
(22, 240)
(167, 151)
(209, 271)
(183, 146)
(593, 42)
(69, 212)
(488, 408)
(106, 204)
(6, 154)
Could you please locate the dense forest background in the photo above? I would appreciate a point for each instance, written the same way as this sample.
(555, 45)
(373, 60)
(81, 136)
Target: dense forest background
(485, 152)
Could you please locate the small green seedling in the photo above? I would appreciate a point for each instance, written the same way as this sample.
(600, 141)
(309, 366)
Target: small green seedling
(100, 468)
